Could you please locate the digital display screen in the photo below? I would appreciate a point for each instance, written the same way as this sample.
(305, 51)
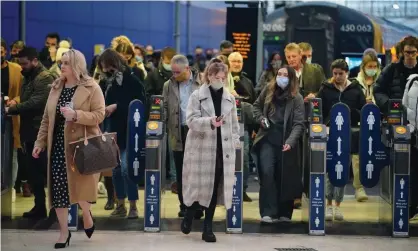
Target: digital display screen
(243, 34)
(155, 116)
(157, 101)
(356, 61)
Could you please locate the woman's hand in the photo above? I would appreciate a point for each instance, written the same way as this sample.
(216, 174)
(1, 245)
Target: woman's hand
(286, 147)
(369, 100)
(216, 123)
(310, 96)
(68, 113)
(36, 151)
(109, 110)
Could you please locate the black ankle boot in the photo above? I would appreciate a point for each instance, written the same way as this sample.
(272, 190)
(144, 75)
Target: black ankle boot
(186, 224)
(208, 234)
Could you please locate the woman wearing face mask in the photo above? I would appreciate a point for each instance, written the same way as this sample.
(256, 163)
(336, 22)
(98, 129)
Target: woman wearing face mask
(339, 89)
(369, 72)
(280, 112)
(122, 87)
(267, 76)
(209, 155)
(139, 57)
(127, 52)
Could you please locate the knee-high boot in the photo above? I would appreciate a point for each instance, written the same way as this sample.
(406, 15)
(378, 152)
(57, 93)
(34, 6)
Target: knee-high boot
(110, 205)
(208, 234)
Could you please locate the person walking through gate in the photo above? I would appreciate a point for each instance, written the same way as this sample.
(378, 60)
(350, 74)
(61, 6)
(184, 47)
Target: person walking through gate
(62, 124)
(209, 159)
(280, 111)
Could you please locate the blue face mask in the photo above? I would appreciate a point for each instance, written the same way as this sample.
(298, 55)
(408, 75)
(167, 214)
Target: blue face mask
(282, 82)
(139, 59)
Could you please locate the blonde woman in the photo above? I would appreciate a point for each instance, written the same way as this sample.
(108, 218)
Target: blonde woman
(369, 73)
(75, 104)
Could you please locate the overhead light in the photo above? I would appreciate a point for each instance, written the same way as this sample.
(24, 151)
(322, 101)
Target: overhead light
(395, 6)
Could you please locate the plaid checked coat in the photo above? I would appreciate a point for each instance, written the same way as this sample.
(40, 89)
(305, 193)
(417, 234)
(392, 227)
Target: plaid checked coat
(200, 150)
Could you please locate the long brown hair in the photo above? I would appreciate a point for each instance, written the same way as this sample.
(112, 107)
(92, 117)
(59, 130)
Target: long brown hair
(272, 85)
(125, 48)
(206, 71)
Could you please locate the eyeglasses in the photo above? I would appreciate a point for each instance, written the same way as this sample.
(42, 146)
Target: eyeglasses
(410, 52)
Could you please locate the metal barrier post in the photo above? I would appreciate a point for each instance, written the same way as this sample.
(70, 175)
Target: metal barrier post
(154, 167)
(73, 217)
(401, 167)
(234, 219)
(318, 148)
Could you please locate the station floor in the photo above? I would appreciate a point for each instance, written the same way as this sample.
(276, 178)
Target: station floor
(17, 240)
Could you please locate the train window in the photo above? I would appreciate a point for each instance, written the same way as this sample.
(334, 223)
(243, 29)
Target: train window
(355, 42)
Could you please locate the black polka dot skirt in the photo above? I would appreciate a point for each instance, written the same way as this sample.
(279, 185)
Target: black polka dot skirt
(59, 183)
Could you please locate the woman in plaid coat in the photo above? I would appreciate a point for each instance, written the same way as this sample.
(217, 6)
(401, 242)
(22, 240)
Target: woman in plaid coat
(209, 158)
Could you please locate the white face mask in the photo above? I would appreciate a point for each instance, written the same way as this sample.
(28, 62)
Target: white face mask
(167, 67)
(371, 72)
(216, 84)
(309, 60)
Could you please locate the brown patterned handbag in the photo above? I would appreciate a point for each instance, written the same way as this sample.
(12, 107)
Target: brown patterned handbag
(95, 154)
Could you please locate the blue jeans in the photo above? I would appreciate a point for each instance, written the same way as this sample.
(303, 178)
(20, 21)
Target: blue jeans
(246, 166)
(122, 182)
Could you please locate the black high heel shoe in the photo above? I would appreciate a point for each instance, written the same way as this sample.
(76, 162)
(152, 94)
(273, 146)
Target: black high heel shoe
(65, 244)
(89, 231)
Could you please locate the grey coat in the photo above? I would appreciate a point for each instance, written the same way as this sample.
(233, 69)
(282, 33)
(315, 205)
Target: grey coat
(171, 96)
(293, 130)
(200, 152)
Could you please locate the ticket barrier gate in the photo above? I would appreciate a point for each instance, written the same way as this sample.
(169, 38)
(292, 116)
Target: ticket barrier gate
(234, 216)
(154, 165)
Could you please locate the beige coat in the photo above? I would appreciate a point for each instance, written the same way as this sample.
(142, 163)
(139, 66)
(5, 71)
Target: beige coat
(200, 151)
(89, 105)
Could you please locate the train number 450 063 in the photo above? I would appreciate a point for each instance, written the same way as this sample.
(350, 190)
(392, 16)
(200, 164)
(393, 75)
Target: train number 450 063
(356, 28)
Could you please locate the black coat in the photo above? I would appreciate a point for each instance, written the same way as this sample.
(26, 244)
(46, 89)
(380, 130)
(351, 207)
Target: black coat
(352, 96)
(155, 80)
(122, 95)
(33, 97)
(293, 131)
(391, 83)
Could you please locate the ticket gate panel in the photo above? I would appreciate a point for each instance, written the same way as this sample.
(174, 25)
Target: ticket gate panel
(234, 215)
(154, 166)
(373, 154)
(136, 141)
(401, 168)
(339, 145)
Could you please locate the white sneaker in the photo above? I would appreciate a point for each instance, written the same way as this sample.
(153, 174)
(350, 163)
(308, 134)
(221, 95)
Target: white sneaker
(285, 219)
(268, 219)
(329, 214)
(337, 214)
(101, 190)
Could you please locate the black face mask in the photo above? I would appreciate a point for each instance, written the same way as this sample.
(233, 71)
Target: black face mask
(109, 74)
(209, 56)
(27, 73)
(3, 59)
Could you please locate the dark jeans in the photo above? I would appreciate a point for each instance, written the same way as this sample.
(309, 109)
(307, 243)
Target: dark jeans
(36, 170)
(270, 173)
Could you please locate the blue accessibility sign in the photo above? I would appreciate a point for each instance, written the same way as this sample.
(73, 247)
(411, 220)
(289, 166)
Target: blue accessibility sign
(400, 205)
(73, 217)
(373, 153)
(339, 145)
(317, 204)
(152, 217)
(234, 214)
(136, 141)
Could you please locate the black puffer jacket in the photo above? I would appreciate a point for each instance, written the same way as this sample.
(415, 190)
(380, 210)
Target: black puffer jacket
(391, 83)
(352, 96)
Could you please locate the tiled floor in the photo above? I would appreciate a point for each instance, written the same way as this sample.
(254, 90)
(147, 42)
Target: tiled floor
(127, 241)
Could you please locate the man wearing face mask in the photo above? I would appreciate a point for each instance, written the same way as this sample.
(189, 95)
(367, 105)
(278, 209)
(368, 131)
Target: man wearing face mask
(156, 78)
(243, 87)
(35, 91)
(48, 53)
(226, 48)
(176, 94)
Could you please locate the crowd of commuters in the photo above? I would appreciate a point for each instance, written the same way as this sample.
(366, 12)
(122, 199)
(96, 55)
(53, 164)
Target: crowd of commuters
(55, 98)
